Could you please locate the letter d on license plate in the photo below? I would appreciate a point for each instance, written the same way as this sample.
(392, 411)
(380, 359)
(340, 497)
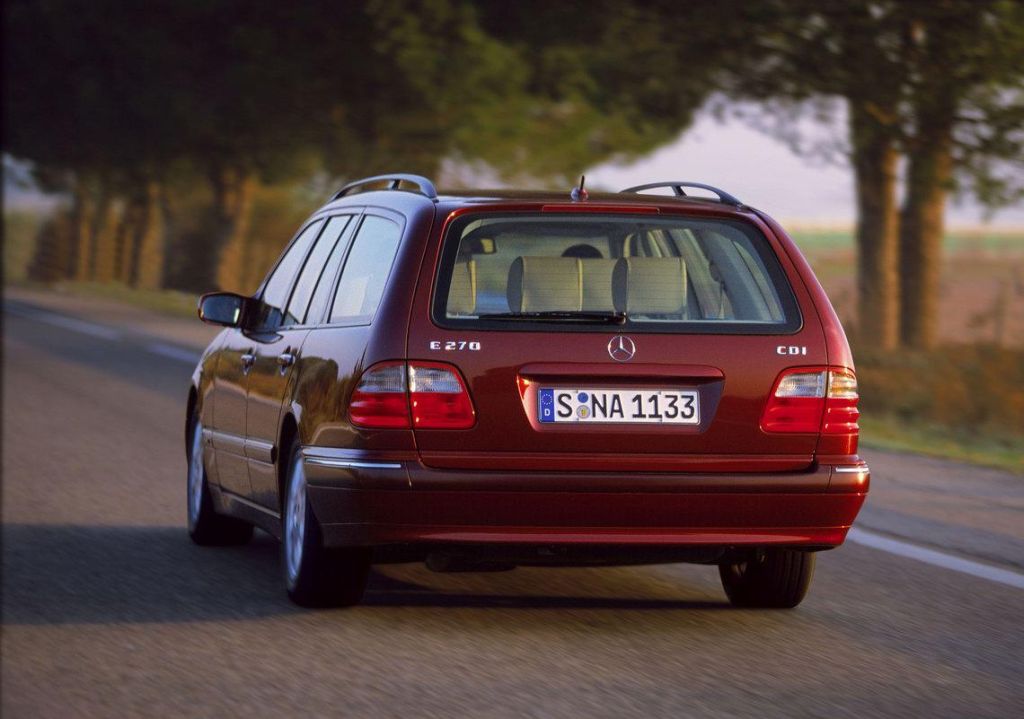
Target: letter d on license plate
(622, 406)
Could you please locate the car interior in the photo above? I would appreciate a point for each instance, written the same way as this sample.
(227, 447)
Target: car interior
(666, 273)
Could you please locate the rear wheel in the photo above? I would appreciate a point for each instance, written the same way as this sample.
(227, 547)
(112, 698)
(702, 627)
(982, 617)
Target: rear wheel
(770, 578)
(315, 575)
(205, 526)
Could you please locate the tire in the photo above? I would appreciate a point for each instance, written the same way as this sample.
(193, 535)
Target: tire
(770, 578)
(316, 576)
(205, 526)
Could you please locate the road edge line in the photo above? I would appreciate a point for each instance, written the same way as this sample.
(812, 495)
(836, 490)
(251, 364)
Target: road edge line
(939, 559)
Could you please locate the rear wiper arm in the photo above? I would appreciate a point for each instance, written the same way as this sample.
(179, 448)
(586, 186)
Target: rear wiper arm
(605, 318)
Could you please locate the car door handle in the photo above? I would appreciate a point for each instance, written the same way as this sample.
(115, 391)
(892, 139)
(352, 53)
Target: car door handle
(286, 360)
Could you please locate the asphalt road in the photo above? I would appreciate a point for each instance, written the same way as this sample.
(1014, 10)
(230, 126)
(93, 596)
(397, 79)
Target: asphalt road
(109, 610)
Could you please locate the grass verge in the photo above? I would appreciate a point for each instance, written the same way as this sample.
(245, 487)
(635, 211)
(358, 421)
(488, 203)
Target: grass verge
(171, 302)
(1006, 453)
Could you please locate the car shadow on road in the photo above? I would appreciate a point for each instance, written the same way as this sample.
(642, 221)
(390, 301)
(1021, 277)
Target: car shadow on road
(384, 591)
(67, 574)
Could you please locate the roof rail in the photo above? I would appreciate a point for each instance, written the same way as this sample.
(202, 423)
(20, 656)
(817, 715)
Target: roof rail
(677, 188)
(424, 186)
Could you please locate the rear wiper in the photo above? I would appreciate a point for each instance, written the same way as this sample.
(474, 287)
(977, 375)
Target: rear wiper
(605, 318)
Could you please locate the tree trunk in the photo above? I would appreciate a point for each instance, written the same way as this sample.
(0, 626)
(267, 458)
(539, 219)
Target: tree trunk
(168, 232)
(82, 212)
(921, 233)
(53, 258)
(233, 190)
(109, 210)
(125, 242)
(148, 265)
(874, 160)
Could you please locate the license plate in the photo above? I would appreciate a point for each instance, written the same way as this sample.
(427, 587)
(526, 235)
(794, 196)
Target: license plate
(625, 406)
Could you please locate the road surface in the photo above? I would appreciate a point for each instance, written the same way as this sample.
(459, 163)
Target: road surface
(110, 611)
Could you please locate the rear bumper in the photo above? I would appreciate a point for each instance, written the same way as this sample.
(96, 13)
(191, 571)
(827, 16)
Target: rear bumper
(370, 502)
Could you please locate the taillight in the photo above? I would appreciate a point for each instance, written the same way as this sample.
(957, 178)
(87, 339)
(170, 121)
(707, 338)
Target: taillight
(439, 397)
(841, 411)
(380, 400)
(427, 395)
(811, 400)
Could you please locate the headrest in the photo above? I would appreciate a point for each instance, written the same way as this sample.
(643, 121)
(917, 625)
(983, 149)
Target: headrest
(545, 284)
(650, 285)
(597, 285)
(462, 292)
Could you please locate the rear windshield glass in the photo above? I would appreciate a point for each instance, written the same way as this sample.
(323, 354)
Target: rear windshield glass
(678, 274)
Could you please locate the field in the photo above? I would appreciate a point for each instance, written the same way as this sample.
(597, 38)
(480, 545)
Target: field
(982, 298)
(966, 398)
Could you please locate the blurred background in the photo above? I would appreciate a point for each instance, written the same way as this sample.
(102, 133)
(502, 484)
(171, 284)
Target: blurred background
(155, 152)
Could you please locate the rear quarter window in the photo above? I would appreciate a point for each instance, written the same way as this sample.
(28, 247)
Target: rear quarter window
(658, 274)
(366, 271)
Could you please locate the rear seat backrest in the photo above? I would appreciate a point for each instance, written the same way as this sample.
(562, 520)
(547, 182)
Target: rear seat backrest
(545, 284)
(597, 285)
(462, 293)
(650, 285)
(491, 283)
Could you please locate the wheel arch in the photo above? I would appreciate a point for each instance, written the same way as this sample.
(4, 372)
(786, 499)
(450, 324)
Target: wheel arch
(190, 413)
(288, 435)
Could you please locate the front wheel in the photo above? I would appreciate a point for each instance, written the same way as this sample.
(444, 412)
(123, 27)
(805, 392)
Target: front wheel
(315, 575)
(205, 526)
(770, 578)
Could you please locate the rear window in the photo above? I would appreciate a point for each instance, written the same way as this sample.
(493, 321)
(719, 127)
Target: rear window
(650, 274)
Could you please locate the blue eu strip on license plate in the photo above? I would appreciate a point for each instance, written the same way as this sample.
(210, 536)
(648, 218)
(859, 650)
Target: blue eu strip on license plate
(546, 403)
(623, 406)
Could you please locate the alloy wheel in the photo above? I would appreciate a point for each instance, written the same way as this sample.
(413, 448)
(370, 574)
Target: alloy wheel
(295, 520)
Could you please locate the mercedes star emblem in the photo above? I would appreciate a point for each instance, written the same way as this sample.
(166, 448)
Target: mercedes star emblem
(621, 348)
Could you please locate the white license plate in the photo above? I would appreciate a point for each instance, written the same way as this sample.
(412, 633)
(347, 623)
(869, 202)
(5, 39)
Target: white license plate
(626, 406)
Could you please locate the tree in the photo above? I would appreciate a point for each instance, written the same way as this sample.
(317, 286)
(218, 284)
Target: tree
(808, 50)
(964, 110)
(938, 83)
(110, 100)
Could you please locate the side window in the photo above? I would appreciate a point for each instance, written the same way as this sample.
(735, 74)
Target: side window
(366, 270)
(325, 285)
(313, 269)
(279, 285)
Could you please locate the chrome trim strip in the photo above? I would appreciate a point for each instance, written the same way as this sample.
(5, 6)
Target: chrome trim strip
(231, 496)
(225, 441)
(351, 463)
(852, 470)
(259, 450)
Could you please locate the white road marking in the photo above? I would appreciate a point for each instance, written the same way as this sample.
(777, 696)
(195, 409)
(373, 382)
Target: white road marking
(178, 353)
(68, 323)
(939, 559)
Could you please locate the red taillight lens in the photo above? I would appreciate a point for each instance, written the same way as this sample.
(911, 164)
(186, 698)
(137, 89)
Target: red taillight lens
(439, 397)
(380, 400)
(841, 411)
(426, 395)
(811, 400)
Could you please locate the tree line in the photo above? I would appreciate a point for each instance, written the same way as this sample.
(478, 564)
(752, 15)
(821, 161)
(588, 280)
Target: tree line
(160, 121)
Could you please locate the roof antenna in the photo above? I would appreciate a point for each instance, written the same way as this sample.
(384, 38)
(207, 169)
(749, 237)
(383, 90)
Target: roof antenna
(579, 193)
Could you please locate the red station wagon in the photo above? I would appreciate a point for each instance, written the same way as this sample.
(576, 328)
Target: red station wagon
(482, 380)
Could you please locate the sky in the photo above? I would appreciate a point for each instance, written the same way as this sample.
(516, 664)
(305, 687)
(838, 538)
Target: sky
(764, 173)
